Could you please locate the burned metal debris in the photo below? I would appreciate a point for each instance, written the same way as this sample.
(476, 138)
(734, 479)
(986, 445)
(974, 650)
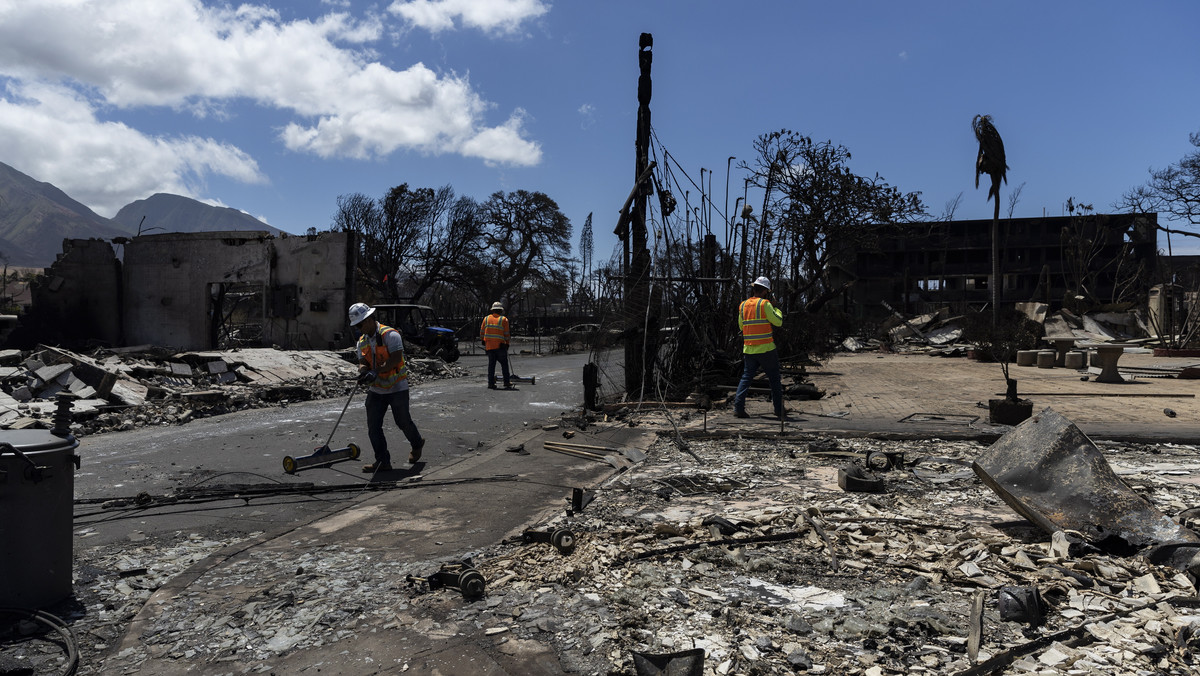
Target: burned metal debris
(648, 578)
(1052, 474)
(813, 580)
(460, 576)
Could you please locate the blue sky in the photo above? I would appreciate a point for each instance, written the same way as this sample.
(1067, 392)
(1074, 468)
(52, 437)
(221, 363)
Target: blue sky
(276, 108)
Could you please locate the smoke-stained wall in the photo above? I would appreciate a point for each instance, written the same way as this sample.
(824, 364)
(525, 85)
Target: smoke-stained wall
(195, 291)
(78, 298)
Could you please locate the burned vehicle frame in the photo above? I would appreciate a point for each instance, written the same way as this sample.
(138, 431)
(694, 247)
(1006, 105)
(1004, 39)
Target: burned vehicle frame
(420, 326)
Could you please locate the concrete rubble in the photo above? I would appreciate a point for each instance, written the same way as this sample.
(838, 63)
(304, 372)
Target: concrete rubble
(940, 334)
(743, 547)
(121, 389)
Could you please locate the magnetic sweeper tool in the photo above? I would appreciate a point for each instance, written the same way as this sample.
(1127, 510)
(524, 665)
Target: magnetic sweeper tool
(323, 456)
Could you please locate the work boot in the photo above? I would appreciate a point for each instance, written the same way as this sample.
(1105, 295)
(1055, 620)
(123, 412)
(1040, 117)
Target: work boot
(377, 467)
(492, 386)
(741, 414)
(509, 387)
(415, 454)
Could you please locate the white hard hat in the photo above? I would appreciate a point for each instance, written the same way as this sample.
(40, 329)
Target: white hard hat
(497, 306)
(359, 312)
(763, 282)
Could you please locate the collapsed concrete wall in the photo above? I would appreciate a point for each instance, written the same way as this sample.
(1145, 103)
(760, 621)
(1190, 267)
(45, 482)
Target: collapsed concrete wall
(212, 290)
(79, 297)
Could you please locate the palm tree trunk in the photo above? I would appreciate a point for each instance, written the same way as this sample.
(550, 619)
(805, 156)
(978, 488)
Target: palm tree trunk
(996, 281)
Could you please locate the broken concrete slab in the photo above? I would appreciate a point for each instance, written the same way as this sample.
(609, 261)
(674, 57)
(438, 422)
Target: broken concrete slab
(128, 392)
(267, 365)
(107, 382)
(180, 369)
(51, 373)
(1051, 473)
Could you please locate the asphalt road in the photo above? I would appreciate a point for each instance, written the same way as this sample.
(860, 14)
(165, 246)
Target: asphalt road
(213, 459)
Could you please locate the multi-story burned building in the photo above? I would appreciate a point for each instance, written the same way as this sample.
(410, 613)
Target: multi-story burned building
(1086, 260)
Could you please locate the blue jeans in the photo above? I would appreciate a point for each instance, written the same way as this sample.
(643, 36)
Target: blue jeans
(769, 363)
(499, 354)
(377, 405)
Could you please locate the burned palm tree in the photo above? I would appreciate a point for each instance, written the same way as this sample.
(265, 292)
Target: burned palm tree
(991, 162)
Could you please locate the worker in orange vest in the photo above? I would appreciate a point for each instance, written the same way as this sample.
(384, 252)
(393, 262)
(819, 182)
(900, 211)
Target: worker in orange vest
(757, 317)
(382, 368)
(493, 331)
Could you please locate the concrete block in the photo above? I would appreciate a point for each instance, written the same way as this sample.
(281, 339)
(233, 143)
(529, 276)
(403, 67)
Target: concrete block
(1045, 359)
(49, 373)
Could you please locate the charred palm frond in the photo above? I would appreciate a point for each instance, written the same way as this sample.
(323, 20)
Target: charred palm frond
(991, 154)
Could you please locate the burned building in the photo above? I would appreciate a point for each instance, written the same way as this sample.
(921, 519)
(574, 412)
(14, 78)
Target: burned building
(1092, 259)
(204, 290)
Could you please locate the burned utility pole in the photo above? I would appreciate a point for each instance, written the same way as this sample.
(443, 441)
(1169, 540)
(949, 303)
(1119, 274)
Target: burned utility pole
(641, 335)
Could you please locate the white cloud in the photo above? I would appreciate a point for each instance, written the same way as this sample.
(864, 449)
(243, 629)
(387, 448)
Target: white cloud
(321, 74)
(490, 16)
(504, 145)
(587, 116)
(52, 134)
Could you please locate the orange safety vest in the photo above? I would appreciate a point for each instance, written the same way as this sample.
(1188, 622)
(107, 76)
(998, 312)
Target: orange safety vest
(756, 328)
(386, 379)
(494, 331)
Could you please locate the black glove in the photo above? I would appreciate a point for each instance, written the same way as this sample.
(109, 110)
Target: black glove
(367, 376)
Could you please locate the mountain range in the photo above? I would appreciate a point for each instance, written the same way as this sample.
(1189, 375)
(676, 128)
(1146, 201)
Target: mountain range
(35, 218)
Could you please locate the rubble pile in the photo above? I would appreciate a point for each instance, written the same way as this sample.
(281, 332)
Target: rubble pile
(747, 550)
(124, 388)
(941, 334)
(830, 581)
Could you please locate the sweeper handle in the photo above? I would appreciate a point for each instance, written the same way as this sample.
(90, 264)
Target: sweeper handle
(343, 413)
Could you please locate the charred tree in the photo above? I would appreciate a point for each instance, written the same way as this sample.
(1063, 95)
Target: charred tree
(641, 335)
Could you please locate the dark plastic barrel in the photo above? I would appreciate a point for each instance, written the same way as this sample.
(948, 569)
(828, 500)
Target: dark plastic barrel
(36, 517)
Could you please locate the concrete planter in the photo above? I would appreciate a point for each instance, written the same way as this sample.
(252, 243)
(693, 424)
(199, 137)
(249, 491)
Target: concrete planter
(1005, 412)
